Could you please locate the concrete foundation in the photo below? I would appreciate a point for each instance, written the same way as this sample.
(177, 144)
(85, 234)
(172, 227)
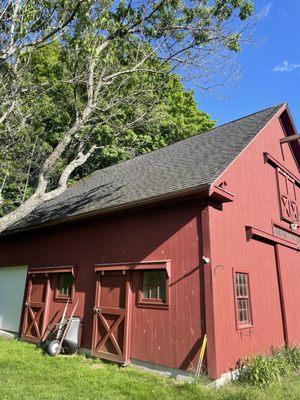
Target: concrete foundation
(8, 335)
(177, 374)
(163, 371)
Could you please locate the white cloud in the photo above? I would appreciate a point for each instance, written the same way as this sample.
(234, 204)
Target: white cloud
(286, 67)
(264, 12)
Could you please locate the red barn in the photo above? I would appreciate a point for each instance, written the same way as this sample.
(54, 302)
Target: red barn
(200, 237)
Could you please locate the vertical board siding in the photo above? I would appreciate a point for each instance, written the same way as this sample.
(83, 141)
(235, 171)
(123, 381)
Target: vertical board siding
(168, 337)
(254, 184)
(289, 261)
(173, 337)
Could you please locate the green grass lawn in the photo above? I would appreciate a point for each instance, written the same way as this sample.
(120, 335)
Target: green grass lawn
(27, 373)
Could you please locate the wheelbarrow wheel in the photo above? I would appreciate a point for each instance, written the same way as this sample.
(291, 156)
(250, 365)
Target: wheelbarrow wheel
(53, 348)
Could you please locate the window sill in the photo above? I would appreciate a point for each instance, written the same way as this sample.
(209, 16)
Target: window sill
(61, 299)
(156, 305)
(243, 327)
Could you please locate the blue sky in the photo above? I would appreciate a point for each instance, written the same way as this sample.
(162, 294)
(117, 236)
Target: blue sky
(271, 66)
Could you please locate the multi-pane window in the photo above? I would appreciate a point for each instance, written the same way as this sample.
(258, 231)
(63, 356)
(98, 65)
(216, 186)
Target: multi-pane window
(65, 284)
(154, 285)
(243, 304)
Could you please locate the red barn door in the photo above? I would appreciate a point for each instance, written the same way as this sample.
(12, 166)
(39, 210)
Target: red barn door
(110, 331)
(35, 308)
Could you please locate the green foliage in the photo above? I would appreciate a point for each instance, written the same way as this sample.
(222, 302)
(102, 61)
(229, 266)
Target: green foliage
(263, 370)
(174, 117)
(28, 374)
(114, 67)
(291, 355)
(167, 113)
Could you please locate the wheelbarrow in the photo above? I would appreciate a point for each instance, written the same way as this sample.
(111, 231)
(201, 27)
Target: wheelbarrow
(66, 334)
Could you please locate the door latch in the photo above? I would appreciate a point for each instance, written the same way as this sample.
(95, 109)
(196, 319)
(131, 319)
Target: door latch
(97, 309)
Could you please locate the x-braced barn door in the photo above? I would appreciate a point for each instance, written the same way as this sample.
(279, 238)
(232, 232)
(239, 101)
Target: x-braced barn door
(110, 331)
(35, 307)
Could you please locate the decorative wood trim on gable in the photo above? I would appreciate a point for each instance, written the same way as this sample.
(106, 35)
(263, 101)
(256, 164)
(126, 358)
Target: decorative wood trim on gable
(136, 266)
(290, 138)
(221, 194)
(287, 183)
(272, 160)
(289, 128)
(254, 233)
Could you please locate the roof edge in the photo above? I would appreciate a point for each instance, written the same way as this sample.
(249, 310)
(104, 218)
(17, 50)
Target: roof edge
(203, 191)
(172, 144)
(282, 108)
(207, 189)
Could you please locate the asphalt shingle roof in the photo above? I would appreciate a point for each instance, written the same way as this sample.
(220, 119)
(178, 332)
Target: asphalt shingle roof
(189, 164)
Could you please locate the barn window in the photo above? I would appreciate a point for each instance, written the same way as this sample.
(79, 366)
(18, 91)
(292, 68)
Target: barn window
(243, 303)
(65, 286)
(154, 288)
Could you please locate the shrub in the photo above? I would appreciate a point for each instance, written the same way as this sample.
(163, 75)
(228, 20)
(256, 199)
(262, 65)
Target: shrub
(262, 370)
(292, 356)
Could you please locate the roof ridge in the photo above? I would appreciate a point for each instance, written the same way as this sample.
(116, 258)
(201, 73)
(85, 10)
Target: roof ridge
(250, 115)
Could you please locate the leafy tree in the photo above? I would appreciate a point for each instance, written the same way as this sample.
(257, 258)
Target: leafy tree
(174, 117)
(107, 81)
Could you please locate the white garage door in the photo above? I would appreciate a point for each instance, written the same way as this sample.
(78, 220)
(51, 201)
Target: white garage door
(12, 286)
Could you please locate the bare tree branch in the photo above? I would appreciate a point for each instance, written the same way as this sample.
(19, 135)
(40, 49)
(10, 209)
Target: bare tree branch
(108, 48)
(13, 47)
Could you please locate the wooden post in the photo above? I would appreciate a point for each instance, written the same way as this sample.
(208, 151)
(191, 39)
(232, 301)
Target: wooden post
(281, 295)
(127, 321)
(209, 295)
(47, 307)
(95, 317)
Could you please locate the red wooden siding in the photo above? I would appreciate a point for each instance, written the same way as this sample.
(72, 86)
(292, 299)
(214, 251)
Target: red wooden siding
(257, 203)
(289, 268)
(201, 298)
(169, 337)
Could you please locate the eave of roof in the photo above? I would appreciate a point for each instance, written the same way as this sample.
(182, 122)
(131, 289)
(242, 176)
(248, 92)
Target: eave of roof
(236, 144)
(201, 191)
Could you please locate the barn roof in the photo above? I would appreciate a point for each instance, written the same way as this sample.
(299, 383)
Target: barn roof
(190, 164)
